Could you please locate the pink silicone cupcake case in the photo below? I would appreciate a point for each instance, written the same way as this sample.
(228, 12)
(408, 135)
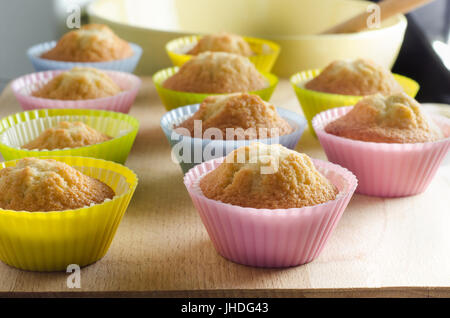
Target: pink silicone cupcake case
(271, 238)
(25, 85)
(383, 169)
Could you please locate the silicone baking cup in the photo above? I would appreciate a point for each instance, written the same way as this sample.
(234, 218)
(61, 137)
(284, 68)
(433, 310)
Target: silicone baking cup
(189, 152)
(122, 102)
(50, 241)
(266, 52)
(173, 99)
(271, 238)
(313, 102)
(124, 65)
(19, 129)
(384, 169)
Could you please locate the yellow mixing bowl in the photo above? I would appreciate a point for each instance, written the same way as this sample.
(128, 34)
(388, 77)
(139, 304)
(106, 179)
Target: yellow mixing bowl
(50, 241)
(293, 24)
(313, 102)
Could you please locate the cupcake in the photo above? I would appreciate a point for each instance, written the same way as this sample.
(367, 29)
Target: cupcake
(211, 73)
(60, 210)
(265, 196)
(78, 84)
(48, 185)
(222, 123)
(247, 115)
(222, 42)
(68, 132)
(390, 144)
(80, 87)
(345, 82)
(91, 45)
(67, 135)
(396, 118)
(262, 53)
(358, 77)
(216, 73)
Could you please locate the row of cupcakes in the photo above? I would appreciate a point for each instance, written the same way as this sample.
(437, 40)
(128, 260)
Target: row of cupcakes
(64, 188)
(266, 205)
(246, 223)
(72, 85)
(392, 145)
(256, 253)
(313, 99)
(386, 141)
(341, 83)
(220, 68)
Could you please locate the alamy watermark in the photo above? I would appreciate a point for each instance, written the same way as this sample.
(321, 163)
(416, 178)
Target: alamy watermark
(214, 143)
(74, 279)
(374, 19)
(73, 20)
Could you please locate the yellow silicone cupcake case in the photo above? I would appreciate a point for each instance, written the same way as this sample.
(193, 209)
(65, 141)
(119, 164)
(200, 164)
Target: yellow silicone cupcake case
(266, 51)
(173, 99)
(50, 241)
(313, 102)
(17, 129)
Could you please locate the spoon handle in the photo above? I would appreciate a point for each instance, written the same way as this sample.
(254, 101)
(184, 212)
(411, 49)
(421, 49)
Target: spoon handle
(388, 8)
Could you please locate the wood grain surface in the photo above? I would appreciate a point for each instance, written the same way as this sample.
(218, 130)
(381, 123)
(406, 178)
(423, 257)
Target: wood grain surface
(381, 247)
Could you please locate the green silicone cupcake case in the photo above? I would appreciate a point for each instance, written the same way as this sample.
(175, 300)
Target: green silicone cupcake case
(18, 129)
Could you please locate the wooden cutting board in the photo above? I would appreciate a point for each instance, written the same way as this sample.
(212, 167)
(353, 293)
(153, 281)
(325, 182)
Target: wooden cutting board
(381, 247)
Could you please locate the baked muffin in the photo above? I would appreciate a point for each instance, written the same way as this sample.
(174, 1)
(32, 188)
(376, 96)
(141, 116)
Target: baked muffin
(216, 72)
(90, 43)
(248, 115)
(79, 83)
(396, 118)
(67, 135)
(48, 185)
(267, 176)
(222, 42)
(358, 77)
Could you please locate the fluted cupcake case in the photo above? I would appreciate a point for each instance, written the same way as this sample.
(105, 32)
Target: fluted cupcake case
(19, 129)
(173, 99)
(199, 150)
(40, 64)
(384, 169)
(271, 238)
(50, 241)
(266, 52)
(25, 85)
(313, 102)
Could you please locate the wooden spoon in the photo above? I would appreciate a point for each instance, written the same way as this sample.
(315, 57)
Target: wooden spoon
(388, 8)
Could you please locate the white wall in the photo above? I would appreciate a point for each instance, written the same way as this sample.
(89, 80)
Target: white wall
(22, 24)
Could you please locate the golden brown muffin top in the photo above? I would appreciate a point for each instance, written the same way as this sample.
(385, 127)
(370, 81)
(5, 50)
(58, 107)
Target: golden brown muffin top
(67, 135)
(358, 77)
(48, 185)
(248, 115)
(396, 118)
(267, 177)
(216, 72)
(90, 43)
(222, 42)
(79, 83)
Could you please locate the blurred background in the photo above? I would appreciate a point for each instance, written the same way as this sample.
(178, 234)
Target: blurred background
(424, 54)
